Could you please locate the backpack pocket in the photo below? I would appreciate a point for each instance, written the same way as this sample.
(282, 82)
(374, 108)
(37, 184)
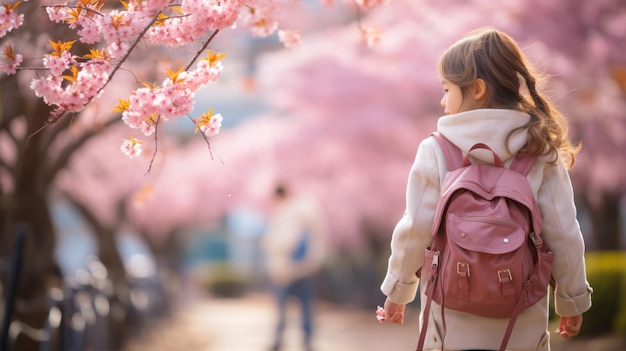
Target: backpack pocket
(484, 266)
(484, 234)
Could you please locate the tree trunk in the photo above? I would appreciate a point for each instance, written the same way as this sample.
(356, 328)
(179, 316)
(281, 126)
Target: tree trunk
(168, 254)
(27, 205)
(111, 330)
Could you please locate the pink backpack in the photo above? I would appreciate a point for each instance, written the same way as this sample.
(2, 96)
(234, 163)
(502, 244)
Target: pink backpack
(488, 257)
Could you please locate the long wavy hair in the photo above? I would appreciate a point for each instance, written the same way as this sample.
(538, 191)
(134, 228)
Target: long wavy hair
(511, 81)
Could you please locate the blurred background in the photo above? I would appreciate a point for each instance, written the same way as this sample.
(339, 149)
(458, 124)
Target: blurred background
(163, 251)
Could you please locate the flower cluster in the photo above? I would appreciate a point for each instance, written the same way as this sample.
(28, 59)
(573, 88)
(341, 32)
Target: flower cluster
(9, 19)
(260, 17)
(131, 147)
(289, 38)
(193, 20)
(12, 61)
(71, 82)
(174, 98)
(372, 37)
(380, 314)
(70, 93)
(209, 123)
(370, 4)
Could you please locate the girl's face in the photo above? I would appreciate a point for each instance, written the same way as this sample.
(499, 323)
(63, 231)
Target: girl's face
(454, 101)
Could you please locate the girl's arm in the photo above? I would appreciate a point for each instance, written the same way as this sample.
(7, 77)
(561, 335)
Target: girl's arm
(562, 233)
(412, 233)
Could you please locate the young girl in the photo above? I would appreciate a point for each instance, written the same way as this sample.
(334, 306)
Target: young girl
(490, 96)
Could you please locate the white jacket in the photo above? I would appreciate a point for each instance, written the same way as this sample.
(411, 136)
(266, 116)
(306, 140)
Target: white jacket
(412, 234)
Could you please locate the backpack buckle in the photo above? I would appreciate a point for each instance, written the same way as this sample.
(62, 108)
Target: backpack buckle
(505, 275)
(462, 269)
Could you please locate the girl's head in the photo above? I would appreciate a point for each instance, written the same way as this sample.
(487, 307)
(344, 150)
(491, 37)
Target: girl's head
(487, 66)
(487, 69)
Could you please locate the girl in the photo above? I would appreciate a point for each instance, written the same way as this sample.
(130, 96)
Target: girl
(490, 96)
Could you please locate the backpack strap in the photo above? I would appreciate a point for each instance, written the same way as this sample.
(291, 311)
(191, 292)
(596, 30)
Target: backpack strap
(430, 288)
(523, 162)
(453, 155)
(517, 311)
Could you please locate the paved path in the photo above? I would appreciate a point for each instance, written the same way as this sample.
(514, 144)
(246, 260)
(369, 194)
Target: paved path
(246, 325)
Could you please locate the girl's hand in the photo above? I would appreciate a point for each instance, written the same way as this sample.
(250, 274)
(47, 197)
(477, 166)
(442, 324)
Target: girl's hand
(570, 326)
(394, 312)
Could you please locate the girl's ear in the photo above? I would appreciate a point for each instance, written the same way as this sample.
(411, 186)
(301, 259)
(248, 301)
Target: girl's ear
(479, 89)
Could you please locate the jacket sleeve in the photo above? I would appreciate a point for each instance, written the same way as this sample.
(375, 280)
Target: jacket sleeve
(562, 233)
(412, 233)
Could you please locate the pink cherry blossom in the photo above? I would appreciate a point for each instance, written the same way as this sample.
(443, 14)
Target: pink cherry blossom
(11, 62)
(150, 7)
(380, 314)
(56, 64)
(198, 18)
(89, 34)
(261, 18)
(57, 14)
(9, 19)
(289, 38)
(148, 127)
(133, 119)
(131, 147)
(372, 37)
(370, 4)
(70, 82)
(263, 27)
(213, 127)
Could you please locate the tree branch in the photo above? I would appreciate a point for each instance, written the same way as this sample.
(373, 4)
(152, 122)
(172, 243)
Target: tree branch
(65, 155)
(204, 46)
(52, 119)
(156, 145)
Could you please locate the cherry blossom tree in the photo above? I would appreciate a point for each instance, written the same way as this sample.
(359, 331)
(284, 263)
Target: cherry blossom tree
(344, 123)
(586, 54)
(353, 100)
(587, 84)
(350, 117)
(62, 59)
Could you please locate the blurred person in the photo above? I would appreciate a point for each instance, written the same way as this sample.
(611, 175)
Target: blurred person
(294, 250)
(490, 96)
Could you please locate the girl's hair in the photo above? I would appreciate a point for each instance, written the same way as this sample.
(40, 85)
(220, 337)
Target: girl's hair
(495, 57)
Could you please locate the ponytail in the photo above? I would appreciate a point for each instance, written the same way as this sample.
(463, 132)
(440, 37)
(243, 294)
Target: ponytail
(547, 128)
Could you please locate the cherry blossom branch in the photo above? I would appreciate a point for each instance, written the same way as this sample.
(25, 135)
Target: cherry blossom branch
(156, 124)
(88, 9)
(117, 67)
(151, 104)
(123, 59)
(208, 143)
(65, 155)
(201, 50)
(156, 145)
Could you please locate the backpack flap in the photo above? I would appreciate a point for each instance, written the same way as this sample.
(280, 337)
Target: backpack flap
(489, 183)
(490, 235)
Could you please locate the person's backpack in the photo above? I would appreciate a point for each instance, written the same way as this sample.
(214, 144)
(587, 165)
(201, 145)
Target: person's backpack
(488, 256)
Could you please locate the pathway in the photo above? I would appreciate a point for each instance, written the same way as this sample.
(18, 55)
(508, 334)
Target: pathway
(246, 324)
